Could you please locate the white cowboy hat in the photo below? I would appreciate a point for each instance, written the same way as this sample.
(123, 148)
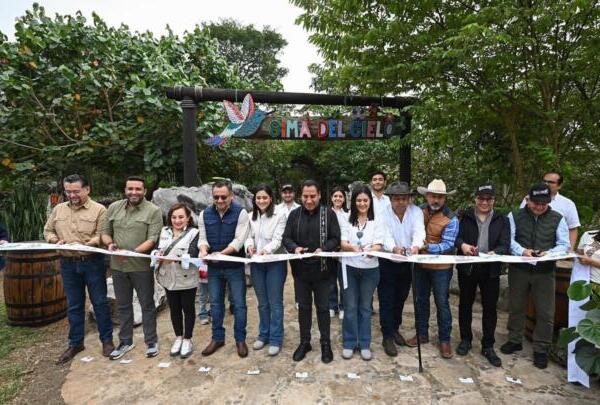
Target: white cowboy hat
(437, 186)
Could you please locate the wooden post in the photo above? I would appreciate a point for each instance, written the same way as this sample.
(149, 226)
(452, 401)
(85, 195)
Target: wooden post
(190, 158)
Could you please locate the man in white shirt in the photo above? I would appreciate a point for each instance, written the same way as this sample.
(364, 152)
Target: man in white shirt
(405, 235)
(380, 200)
(288, 203)
(562, 204)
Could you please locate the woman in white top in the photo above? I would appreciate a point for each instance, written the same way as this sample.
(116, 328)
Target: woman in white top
(177, 239)
(268, 279)
(361, 273)
(337, 202)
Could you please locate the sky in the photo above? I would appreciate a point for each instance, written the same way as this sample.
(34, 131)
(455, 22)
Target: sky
(182, 15)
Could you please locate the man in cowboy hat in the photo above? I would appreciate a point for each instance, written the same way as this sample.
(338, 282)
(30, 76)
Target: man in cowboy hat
(481, 230)
(441, 228)
(406, 235)
(536, 229)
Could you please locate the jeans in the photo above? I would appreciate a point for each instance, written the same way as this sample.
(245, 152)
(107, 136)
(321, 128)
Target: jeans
(304, 294)
(490, 290)
(439, 281)
(394, 286)
(181, 305)
(268, 280)
(236, 279)
(143, 283)
(202, 301)
(335, 303)
(77, 275)
(356, 327)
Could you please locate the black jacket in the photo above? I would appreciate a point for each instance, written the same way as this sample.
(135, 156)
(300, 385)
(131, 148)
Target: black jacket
(302, 229)
(498, 238)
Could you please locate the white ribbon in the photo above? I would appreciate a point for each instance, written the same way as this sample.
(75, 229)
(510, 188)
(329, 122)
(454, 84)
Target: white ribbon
(201, 262)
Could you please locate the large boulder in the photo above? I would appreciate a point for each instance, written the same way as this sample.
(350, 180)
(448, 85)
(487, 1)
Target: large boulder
(197, 197)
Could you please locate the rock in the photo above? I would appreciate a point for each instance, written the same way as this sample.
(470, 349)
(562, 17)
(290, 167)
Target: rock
(198, 197)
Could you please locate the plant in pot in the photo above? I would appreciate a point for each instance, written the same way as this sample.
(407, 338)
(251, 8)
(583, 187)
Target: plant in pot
(587, 349)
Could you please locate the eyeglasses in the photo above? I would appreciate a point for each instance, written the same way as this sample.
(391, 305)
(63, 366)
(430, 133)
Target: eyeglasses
(550, 181)
(219, 197)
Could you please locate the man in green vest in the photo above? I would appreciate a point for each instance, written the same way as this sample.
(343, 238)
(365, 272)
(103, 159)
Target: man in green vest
(536, 230)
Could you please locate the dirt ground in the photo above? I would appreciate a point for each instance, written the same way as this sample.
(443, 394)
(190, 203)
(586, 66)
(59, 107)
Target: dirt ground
(106, 382)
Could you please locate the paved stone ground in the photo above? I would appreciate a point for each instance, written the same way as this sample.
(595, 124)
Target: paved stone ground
(102, 381)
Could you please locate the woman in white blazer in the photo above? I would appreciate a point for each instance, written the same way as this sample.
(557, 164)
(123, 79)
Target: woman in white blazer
(268, 279)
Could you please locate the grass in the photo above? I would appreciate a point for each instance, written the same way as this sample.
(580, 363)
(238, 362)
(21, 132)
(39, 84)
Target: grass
(12, 338)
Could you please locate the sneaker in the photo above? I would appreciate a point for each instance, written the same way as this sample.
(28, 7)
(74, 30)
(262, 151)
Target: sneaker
(120, 351)
(341, 315)
(259, 344)
(347, 353)
(463, 348)
(152, 350)
(204, 321)
(297, 306)
(176, 348)
(511, 347)
(186, 348)
(366, 354)
(274, 350)
(331, 313)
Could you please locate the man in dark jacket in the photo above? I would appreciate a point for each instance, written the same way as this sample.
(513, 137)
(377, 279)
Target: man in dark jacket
(312, 228)
(481, 230)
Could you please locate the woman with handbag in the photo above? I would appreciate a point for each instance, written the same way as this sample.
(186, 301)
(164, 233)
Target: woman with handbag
(179, 239)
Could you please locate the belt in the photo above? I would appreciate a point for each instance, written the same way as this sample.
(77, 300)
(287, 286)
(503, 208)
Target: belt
(81, 258)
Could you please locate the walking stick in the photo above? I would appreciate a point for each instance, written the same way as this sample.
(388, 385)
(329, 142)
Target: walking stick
(414, 291)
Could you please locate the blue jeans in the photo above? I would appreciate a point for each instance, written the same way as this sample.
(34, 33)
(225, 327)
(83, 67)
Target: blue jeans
(77, 275)
(268, 280)
(334, 303)
(439, 281)
(358, 297)
(202, 301)
(235, 277)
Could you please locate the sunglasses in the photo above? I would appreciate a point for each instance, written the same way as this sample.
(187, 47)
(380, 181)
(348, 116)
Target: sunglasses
(219, 197)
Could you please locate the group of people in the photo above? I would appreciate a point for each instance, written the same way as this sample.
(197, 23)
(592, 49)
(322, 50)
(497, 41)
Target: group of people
(380, 218)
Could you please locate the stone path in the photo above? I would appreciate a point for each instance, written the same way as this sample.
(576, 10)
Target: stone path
(102, 381)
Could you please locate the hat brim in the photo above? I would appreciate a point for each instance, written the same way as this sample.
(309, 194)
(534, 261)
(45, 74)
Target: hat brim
(425, 190)
(410, 192)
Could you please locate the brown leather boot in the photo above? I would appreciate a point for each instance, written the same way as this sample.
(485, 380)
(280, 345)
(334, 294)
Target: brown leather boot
(69, 354)
(446, 350)
(412, 342)
(212, 347)
(242, 349)
(107, 348)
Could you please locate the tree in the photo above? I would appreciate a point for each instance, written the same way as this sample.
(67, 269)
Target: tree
(251, 52)
(507, 89)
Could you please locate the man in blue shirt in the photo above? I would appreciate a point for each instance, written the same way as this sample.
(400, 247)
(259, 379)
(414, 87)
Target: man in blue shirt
(536, 230)
(441, 229)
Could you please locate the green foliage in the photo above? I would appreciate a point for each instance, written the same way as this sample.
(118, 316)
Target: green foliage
(507, 89)
(24, 213)
(587, 349)
(81, 96)
(253, 54)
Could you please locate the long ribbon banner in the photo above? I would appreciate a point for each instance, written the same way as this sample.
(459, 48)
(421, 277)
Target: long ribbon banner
(428, 259)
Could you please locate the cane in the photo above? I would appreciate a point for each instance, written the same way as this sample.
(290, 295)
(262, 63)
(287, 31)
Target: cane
(414, 291)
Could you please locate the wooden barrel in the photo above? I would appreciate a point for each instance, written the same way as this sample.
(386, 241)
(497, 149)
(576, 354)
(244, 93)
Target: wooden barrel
(561, 305)
(33, 288)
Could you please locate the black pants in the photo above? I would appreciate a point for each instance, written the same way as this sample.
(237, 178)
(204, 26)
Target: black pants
(305, 289)
(394, 285)
(182, 304)
(489, 286)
